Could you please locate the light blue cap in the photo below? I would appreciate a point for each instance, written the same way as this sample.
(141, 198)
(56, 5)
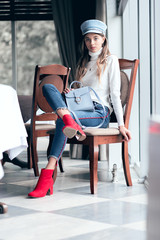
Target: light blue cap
(93, 26)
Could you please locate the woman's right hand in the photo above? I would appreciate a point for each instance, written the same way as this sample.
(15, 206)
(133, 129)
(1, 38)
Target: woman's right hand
(126, 133)
(67, 90)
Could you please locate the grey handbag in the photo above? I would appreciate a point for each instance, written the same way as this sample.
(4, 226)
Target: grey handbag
(80, 100)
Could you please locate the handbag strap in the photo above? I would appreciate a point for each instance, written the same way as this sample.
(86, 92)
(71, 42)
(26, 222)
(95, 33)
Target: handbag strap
(104, 111)
(75, 82)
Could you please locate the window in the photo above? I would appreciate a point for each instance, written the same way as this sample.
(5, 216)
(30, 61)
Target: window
(36, 45)
(5, 53)
(34, 41)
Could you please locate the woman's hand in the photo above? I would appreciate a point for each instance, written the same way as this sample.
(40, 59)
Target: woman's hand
(126, 133)
(66, 90)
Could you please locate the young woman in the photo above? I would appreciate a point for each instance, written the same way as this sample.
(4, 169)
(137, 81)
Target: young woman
(98, 69)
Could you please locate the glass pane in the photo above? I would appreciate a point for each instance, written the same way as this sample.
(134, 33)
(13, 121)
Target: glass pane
(36, 45)
(5, 53)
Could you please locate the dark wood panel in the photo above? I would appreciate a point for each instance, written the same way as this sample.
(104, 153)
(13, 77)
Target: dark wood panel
(25, 10)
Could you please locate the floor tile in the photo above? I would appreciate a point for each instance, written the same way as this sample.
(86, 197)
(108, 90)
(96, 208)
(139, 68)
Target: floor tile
(48, 226)
(112, 234)
(72, 212)
(111, 212)
(141, 226)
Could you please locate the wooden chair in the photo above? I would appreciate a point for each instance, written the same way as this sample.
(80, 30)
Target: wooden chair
(54, 74)
(96, 137)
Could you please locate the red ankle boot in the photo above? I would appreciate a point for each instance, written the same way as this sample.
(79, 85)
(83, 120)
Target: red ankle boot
(44, 184)
(72, 129)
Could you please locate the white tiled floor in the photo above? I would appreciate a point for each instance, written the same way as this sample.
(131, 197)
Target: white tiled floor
(115, 212)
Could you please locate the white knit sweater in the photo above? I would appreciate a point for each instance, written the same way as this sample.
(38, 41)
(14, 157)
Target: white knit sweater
(108, 88)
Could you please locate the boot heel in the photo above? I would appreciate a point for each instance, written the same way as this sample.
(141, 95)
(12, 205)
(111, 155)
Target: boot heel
(80, 136)
(72, 129)
(69, 132)
(50, 191)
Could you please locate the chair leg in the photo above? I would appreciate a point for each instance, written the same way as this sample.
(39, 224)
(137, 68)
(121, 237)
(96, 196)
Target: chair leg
(34, 156)
(51, 136)
(126, 167)
(14, 161)
(61, 164)
(3, 208)
(29, 155)
(93, 156)
(55, 174)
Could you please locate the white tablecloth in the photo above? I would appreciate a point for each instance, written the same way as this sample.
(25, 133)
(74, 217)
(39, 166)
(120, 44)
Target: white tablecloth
(12, 130)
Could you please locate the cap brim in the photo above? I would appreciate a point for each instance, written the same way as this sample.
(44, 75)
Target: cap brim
(94, 31)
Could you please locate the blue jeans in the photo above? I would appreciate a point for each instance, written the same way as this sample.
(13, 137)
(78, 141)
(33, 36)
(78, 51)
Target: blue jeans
(89, 119)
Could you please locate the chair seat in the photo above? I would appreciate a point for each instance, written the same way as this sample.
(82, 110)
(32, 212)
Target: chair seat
(96, 131)
(101, 131)
(45, 127)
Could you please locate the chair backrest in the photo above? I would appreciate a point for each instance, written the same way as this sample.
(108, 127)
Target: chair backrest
(54, 74)
(25, 102)
(128, 70)
(124, 87)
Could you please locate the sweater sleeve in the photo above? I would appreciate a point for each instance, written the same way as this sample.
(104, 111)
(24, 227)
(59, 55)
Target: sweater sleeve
(114, 80)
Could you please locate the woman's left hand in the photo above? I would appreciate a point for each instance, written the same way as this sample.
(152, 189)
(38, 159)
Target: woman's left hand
(126, 133)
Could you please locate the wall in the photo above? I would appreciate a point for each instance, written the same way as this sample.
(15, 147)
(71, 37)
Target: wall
(131, 51)
(114, 24)
(141, 37)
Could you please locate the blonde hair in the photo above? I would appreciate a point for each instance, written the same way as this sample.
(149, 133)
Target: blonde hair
(101, 61)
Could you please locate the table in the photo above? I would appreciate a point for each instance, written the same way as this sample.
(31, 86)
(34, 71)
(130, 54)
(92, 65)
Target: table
(13, 135)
